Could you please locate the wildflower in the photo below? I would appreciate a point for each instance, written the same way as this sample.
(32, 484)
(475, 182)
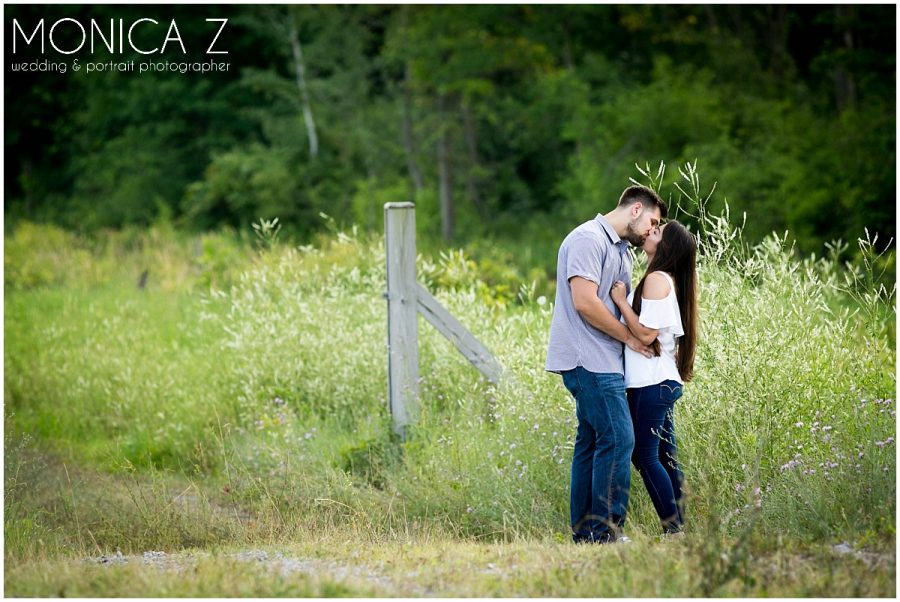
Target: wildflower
(738, 488)
(535, 427)
(827, 428)
(798, 424)
(756, 491)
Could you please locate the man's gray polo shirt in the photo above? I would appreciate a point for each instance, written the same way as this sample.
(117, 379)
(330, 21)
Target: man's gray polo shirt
(595, 252)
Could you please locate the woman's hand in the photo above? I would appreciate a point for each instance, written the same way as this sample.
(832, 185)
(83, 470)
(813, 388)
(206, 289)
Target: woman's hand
(617, 292)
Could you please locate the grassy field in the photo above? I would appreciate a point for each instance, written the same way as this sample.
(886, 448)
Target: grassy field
(202, 416)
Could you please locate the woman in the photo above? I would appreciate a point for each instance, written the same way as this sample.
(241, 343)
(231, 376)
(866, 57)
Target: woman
(663, 312)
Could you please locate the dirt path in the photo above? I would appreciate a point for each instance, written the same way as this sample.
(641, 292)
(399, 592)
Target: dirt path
(356, 575)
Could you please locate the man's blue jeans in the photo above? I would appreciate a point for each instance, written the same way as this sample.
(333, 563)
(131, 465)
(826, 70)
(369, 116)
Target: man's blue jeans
(601, 464)
(655, 452)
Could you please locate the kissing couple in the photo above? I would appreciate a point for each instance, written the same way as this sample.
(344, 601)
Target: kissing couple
(625, 355)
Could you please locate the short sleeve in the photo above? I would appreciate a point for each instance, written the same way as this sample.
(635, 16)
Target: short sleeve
(660, 314)
(585, 259)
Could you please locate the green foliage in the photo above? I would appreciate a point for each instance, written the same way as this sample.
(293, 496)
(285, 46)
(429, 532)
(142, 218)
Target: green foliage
(242, 185)
(541, 113)
(42, 255)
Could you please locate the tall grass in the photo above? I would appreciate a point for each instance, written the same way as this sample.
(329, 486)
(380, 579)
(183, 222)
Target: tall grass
(262, 373)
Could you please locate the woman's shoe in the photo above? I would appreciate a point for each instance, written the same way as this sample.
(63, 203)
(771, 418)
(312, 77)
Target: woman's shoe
(673, 536)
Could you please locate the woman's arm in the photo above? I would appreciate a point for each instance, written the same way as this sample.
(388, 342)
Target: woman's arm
(584, 297)
(655, 287)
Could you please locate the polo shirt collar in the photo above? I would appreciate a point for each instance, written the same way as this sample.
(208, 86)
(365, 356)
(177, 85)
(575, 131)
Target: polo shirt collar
(607, 227)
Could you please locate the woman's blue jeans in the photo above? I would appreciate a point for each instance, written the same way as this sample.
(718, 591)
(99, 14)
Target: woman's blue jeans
(601, 469)
(655, 451)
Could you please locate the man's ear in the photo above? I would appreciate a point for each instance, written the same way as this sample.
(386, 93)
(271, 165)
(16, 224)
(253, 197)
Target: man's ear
(636, 209)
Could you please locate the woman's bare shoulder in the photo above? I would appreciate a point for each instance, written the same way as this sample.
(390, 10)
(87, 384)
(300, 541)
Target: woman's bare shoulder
(656, 286)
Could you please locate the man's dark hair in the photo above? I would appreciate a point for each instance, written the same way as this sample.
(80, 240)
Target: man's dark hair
(644, 196)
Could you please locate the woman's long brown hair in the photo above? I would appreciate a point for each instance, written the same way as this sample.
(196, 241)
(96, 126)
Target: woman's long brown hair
(676, 254)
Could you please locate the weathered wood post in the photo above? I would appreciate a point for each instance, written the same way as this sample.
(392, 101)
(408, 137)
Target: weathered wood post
(405, 298)
(403, 346)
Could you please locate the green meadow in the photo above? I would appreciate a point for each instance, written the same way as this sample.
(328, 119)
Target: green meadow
(206, 415)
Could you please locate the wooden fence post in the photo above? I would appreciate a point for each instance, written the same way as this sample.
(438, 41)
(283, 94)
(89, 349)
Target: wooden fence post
(405, 298)
(403, 344)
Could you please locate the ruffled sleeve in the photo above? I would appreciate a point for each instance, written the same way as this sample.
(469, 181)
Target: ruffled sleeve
(662, 313)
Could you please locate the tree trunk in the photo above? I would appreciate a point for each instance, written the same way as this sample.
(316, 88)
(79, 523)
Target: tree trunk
(845, 86)
(472, 175)
(778, 33)
(444, 173)
(711, 19)
(409, 140)
(568, 61)
(28, 186)
(304, 92)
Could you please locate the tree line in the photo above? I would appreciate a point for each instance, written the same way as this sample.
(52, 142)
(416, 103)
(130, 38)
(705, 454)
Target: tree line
(509, 121)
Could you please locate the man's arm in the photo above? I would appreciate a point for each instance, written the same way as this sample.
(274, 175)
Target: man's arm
(592, 309)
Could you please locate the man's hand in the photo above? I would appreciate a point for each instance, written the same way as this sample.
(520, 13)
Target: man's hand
(635, 345)
(617, 292)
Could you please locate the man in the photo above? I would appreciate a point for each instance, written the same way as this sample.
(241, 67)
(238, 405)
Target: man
(586, 348)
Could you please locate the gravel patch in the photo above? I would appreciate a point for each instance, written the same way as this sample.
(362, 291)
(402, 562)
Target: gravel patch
(273, 562)
(872, 560)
